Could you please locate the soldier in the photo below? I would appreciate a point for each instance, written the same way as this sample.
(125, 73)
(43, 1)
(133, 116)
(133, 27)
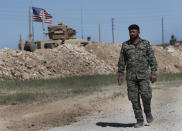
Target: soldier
(137, 56)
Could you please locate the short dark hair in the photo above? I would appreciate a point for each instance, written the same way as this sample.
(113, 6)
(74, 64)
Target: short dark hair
(134, 26)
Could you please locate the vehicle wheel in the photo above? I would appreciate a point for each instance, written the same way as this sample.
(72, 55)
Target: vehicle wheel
(30, 47)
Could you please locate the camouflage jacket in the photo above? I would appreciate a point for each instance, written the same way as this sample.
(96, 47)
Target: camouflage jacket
(137, 59)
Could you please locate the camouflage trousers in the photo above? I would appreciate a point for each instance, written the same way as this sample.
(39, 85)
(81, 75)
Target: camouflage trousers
(136, 89)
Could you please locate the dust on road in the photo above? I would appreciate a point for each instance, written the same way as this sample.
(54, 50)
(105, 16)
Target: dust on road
(102, 111)
(166, 108)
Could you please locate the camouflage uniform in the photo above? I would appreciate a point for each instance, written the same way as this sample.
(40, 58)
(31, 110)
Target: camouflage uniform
(137, 58)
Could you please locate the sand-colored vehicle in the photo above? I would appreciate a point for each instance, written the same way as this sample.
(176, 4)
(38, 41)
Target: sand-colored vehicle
(60, 32)
(57, 35)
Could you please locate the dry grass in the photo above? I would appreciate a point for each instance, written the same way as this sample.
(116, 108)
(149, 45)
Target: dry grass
(29, 91)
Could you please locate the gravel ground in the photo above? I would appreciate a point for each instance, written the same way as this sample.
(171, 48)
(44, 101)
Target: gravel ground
(166, 108)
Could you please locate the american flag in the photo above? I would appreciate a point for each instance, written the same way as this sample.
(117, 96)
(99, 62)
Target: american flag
(38, 15)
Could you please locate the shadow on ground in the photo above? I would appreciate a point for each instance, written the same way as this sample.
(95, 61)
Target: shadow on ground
(105, 124)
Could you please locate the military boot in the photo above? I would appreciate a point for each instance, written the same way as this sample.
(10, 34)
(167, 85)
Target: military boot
(149, 118)
(139, 123)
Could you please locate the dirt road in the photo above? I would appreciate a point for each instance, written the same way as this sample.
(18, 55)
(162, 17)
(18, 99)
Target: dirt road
(166, 108)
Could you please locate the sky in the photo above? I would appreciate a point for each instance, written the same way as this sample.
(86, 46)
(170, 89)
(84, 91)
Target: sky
(146, 13)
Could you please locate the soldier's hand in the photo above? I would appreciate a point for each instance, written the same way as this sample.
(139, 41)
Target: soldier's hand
(153, 78)
(120, 80)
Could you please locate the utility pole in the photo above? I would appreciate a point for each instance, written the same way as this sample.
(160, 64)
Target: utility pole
(30, 22)
(82, 22)
(162, 30)
(113, 30)
(20, 45)
(100, 33)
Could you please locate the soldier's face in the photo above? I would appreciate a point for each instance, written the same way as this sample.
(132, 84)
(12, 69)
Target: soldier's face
(134, 34)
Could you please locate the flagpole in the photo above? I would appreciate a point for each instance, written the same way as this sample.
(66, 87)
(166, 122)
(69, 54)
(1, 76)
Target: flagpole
(32, 33)
(43, 25)
(32, 30)
(30, 22)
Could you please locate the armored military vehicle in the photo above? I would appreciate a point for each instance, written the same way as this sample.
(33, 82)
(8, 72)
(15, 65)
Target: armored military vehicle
(57, 34)
(60, 32)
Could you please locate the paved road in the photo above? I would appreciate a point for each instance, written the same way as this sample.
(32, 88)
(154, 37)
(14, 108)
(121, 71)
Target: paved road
(167, 111)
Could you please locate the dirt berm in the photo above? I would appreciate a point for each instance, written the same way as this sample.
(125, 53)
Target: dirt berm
(72, 58)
